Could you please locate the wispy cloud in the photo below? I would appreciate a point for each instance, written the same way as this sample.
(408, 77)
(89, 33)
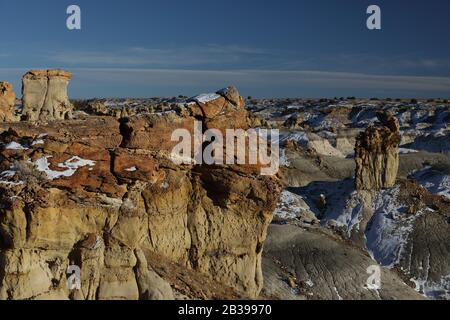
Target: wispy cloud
(368, 63)
(267, 78)
(426, 63)
(157, 57)
(268, 83)
(153, 82)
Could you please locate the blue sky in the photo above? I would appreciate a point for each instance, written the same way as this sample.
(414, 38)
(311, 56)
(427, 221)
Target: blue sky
(309, 48)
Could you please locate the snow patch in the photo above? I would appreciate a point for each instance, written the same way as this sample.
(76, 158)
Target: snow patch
(431, 290)
(291, 206)
(15, 146)
(284, 161)
(180, 159)
(8, 174)
(406, 151)
(206, 97)
(337, 293)
(346, 205)
(165, 185)
(38, 142)
(389, 229)
(70, 166)
(434, 181)
(313, 142)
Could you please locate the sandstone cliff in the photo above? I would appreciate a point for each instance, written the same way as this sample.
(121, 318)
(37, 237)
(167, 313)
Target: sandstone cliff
(376, 154)
(7, 102)
(45, 95)
(105, 195)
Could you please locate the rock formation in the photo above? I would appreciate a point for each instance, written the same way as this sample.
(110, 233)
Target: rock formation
(293, 122)
(105, 195)
(377, 156)
(45, 95)
(7, 102)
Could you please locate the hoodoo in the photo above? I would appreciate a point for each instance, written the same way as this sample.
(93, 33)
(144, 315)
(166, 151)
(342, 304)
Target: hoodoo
(376, 154)
(45, 95)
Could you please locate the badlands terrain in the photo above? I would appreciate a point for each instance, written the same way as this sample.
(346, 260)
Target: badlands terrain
(364, 184)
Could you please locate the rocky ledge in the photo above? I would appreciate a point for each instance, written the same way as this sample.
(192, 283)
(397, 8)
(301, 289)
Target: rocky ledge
(105, 195)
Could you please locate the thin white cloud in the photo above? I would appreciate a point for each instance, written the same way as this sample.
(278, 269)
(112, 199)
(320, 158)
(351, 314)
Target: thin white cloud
(167, 57)
(265, 78)
(271, 81)
(425, 63)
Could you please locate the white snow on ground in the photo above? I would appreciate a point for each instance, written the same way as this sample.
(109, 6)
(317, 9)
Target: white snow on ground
(40, 139)
(294, 107)
(292, 206)
(284, 161)
(11, 183)
(164, 113)
(206, 97)
(346, 211)
(406, 151)
(337, 293)
(310, 283)
(436, 291)
(15, 146)
(439, 133)
(180, 159)
(345, 207)
(300, 137)
(38, 142)
(441, 114)
(70, 166)
(434, 181)
(327, 135)
(224, 91)
(8, 174)
(312, 141)
(114, 103)
(132, 169)
(390, 228)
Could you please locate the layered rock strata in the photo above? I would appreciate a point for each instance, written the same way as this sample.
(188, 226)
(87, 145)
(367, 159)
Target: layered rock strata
(99, 194)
